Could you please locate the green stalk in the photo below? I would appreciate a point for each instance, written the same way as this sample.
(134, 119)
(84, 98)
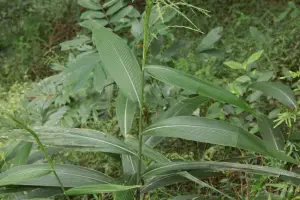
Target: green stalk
(41, 146)
(149, 5)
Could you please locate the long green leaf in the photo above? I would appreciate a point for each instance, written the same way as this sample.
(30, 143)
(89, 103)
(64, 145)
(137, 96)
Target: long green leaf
(169, 179)
(182, 108)
(70, 176)
(214, 132)
(73, 138)
(271, 136)
(97, 189)
(281, 92)
(125, 111)
(169, 168)
(22, 173)
(188, 82)
(120, 63)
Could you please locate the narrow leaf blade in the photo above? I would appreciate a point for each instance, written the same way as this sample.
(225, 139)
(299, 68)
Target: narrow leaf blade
(97, 189)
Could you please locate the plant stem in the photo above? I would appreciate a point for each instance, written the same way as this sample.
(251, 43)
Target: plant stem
(149, 5)
(41, 146)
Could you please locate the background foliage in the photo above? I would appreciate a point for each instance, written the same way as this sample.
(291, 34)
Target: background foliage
(61, 90)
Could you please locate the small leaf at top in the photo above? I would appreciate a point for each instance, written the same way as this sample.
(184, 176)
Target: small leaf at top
(233, 65)
(119, 62)
(277, 90)
(254, 57)
(90, 4)
(212, 37)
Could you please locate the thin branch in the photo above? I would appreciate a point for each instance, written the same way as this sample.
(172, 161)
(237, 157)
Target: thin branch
(41, 146)
(149, 5)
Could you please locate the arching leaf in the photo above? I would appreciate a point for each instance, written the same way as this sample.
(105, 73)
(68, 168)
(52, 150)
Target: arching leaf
(164, 180)
(169, 168)
(214, 132)
(188, 82)
(277, 90)
(73, 138)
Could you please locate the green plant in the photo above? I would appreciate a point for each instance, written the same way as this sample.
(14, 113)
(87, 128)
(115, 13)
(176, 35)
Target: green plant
(117, 60)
